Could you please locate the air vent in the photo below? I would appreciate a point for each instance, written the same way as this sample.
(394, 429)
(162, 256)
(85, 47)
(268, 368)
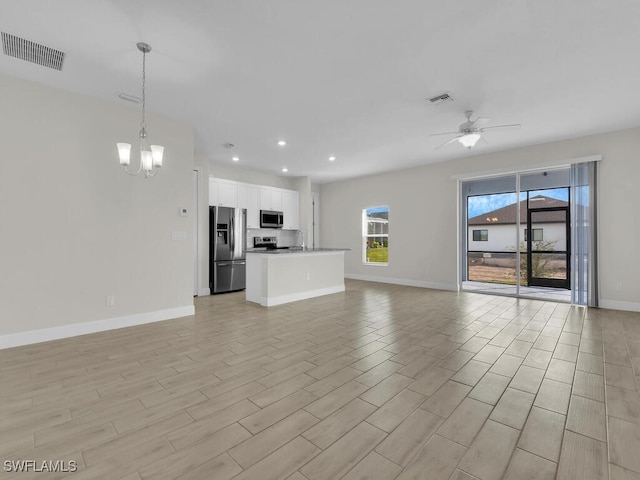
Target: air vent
(32, 52)
(129, 98)
(445, 97)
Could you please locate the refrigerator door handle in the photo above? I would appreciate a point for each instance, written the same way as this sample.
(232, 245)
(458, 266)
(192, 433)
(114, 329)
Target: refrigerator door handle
(232, 234)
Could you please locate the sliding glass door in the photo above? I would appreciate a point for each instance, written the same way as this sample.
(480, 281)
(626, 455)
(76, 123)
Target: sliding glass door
(520, 233)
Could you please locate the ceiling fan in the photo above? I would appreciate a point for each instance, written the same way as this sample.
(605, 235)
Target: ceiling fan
(470, 131)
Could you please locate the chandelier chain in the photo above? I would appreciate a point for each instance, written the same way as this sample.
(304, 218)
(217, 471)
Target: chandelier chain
(144, 79)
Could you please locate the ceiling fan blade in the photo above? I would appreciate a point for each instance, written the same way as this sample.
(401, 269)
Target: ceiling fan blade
(501, 126)
(443, 133)
(480, 121)
(448, 142)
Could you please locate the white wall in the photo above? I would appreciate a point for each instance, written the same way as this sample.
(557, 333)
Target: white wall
(75, 227)
(236, 172)
(422, 225)
(423, 247)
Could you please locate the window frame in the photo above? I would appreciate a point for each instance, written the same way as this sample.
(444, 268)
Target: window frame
(534, 239)
(366, 236)
(480, 239)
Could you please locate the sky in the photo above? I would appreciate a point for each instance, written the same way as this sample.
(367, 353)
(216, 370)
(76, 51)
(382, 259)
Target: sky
(486, 203)
(377, 209)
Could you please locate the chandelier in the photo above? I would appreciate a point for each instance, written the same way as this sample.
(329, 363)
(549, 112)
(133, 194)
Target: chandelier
(150, 155)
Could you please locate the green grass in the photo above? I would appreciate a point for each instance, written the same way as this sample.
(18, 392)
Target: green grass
(378, 255)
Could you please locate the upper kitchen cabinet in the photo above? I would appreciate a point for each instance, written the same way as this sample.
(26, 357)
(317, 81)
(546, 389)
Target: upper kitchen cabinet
(248, 198)
(223, 193)
(214, 192)
(291, 209)
(270, 199)
(227, 193)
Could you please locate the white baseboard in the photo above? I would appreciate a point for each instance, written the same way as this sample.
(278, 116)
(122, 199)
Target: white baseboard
(65, 331)
(203, 292)
(404, 281)
(294, 297)
(617, 305)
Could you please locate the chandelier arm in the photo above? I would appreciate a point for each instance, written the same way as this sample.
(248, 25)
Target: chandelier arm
(151, 173)
(126, 169)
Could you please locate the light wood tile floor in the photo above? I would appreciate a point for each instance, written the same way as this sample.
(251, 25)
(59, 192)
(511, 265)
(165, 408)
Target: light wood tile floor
(380, 382)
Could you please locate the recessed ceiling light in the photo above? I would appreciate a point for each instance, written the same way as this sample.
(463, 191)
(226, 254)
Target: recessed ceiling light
(332, 158)
(285, 169)
(235, 159)
(282, 143)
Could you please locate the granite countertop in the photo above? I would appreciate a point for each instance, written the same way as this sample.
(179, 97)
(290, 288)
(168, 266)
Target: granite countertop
(294, 250)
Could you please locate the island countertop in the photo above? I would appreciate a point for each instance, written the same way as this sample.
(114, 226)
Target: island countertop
(294, 250)
(277, 276)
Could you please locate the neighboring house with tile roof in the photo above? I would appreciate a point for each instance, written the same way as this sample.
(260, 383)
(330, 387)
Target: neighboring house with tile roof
(494, 231)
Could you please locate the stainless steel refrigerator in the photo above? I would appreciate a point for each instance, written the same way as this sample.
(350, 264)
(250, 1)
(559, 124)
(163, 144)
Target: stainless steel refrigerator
(228, 245)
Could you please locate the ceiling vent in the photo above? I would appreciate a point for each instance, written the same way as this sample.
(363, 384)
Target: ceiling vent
(32, 52)
(445, 97)
(129, 98)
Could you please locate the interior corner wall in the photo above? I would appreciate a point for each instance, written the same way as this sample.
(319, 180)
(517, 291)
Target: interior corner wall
(423, 244)
(75, 228)
(303, 186)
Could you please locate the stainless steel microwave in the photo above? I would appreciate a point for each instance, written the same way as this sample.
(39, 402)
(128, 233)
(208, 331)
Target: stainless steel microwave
(271, 219)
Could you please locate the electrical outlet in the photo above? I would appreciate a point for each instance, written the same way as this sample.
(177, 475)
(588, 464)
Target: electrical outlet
(110, 300)
(619, 287)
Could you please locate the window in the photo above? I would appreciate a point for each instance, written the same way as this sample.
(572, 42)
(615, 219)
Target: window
(537, 234)
(375, 235)
(480, 235)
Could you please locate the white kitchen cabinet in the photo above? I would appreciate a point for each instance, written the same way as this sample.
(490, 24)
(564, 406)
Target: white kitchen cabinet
(214, 192)
(270, 198)
(223, 193)
(291, 209)
(228, 194)
(242, 195)
(248, 198)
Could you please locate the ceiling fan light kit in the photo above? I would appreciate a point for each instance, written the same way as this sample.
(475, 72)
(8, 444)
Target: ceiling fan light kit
(470, 132)
(469, 140)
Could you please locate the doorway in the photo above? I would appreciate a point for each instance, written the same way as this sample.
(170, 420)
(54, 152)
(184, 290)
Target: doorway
(195, 213)
(548, 261)
(531, 235)
(315, 220)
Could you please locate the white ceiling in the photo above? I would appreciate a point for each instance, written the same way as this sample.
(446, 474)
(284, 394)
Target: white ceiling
(347, 77)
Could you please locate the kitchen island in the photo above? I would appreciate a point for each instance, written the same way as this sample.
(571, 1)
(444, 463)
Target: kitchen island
(280, 276)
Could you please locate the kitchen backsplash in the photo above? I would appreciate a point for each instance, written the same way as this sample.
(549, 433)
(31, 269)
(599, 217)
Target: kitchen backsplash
(286, 238)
